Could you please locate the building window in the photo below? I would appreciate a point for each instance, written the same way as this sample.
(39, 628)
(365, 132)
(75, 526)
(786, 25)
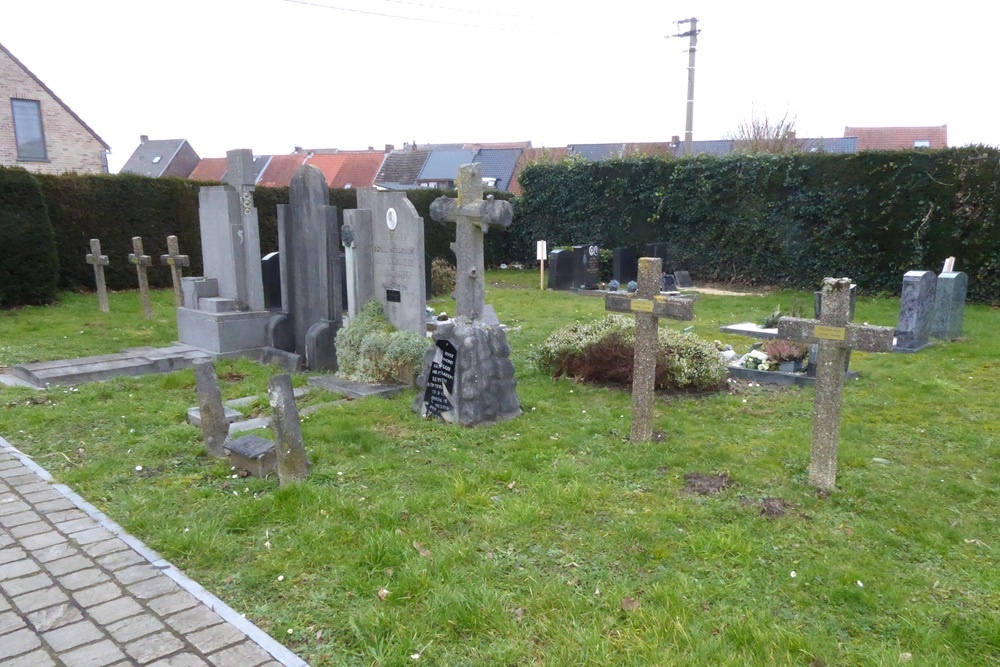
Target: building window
(922, 143)
(28, 129)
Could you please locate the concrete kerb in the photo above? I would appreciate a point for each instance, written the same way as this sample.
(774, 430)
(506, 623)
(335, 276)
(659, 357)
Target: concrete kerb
(227, 613)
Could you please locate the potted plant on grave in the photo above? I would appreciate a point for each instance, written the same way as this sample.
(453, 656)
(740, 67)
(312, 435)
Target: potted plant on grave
(789, 357)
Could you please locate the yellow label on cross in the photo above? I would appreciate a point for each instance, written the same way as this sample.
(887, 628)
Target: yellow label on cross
(829, 333)
(642, 305)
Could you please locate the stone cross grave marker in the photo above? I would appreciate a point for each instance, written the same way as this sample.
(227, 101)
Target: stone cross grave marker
(175, 260)
(142, 262)
(835, 335)
(214, 425)
(473, 216)
(99, 261)
(648, 306)
(293, 464)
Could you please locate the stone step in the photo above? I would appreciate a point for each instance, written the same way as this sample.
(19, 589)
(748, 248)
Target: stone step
(218, 304)
(128, 363)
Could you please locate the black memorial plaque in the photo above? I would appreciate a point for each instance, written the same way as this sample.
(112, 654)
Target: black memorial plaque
(441, 380)
(393, 296)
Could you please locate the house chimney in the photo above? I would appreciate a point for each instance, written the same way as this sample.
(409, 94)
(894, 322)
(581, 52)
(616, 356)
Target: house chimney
(675, 140)
(143, 138)
(389, 148)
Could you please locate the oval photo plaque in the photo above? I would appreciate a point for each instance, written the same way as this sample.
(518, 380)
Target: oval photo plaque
(390, 219)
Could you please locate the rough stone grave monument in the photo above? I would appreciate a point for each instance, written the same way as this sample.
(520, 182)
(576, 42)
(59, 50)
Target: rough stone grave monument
(561, 269)
(142, 262)
(648, 306)
(916, 311)
(949, 304)
(308, 247)
(99, 261)
(176, 261)
(624, 265)
(223, 311)
(834, 335)
(386, 258)
(586, 266)
(468, 377)
(292, 463)
(214, 422)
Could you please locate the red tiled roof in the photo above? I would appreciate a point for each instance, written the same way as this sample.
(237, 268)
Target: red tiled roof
(534, 155)
(328, 163)
(209, 169)
(897, 138)
(358, 170)
(280, 169)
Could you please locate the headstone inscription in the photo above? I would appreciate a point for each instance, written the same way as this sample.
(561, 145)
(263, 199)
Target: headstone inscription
(624, 265)
(916, 311)
(142, 262)
(176, 261)
(561, 269)
(388, 258)
(648, 306)
(468, 377)
(949, 304)
(308, 245)
(835, 335)
(292, 462)
(214, 424)
(270, 272)
(223, 310)
(99, 261)
(586, 266)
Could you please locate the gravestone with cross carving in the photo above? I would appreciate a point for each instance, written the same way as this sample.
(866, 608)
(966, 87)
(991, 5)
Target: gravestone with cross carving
(142, 262)
(648, 306)
(176, 261)
(99, 261)
(835, 336)
(468, 377)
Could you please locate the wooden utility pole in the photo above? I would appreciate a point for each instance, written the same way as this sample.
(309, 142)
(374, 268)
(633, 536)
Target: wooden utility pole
(689, 124)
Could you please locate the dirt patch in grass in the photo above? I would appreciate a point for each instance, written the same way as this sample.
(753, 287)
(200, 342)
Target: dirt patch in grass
(707, 484)
(772, 508)
(233, 376)
(501, 284)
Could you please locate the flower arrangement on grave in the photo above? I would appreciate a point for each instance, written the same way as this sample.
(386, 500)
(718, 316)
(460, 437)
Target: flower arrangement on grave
(632, 286)
(776, 355)
(613, 286)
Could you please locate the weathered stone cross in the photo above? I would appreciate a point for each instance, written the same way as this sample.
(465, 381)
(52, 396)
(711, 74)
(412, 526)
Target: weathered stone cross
(648, 306)
(473, 216)
(99, 261)
(175, 260)
(835, 336)
(142, 261)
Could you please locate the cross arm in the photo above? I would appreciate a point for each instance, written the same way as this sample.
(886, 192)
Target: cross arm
(175, 260)
(865, 338)
(487, 212)
(140, 260)
(659, 306)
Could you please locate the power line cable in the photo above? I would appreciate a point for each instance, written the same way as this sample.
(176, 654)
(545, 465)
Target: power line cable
(461, 9)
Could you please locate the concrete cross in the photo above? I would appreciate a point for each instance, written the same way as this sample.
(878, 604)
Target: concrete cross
(175, 260)
(835, 336)
(142, 261)
(648, 306)
(99, 261)
(473, 216)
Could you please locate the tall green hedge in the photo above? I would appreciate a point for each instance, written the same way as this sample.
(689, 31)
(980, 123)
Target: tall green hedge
(784, 219)
(28, 263)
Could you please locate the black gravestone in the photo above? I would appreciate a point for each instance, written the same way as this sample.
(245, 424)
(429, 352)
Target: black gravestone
(586, 266)
(441, 380)
(667, 282)
(560, 270)
(270, 273)
(624, 265)
(658, 249)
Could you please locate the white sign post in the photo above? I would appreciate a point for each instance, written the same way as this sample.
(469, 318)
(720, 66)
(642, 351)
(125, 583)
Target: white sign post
(541, 255)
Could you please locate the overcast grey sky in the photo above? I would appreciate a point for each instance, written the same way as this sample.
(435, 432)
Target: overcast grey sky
(272, 74)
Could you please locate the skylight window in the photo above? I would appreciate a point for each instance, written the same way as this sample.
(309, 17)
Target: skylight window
(157, 159)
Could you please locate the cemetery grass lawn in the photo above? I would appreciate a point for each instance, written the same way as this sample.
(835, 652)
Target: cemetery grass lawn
(550, 539)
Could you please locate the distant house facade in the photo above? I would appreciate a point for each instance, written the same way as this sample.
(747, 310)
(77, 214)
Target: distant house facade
(38, 131)
(162, 158)
(899, 138)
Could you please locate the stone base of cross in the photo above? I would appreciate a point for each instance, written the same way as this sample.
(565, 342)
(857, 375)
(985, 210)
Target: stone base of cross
(835, 336)
(142, 262)
(648, 306)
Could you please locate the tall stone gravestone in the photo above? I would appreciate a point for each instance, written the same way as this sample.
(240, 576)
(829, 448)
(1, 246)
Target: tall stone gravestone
(223, 310)
(659, 249)
(624, 265)
(586, 266)
(949, 305)
(308, 246)
(468, 377)
(386, 260)
(561, 270)
(916, 311)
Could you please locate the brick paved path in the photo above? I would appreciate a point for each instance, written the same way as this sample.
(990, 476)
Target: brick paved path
(76, 590)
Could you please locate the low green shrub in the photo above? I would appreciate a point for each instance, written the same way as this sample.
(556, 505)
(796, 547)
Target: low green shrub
(442, 276)
(603, 352)
(370, 349)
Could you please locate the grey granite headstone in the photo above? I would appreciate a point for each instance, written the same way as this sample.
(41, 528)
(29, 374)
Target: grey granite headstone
(389, 257)
(270, 271)
(214, 424)
(561, 270)
(308, 245)
(625, 265)
(292, 463)
(99, 261)
(683, 280)
(949, 305)
(586, 266)
(916, 311)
